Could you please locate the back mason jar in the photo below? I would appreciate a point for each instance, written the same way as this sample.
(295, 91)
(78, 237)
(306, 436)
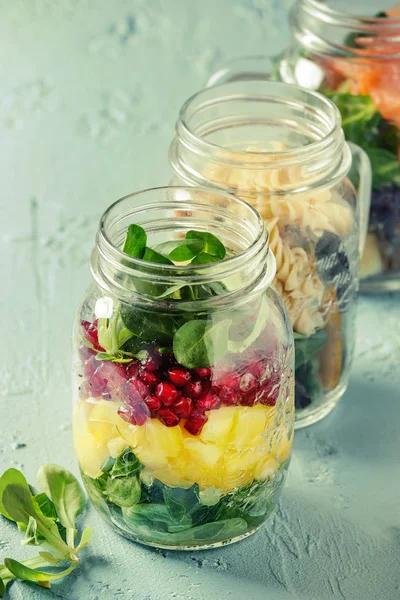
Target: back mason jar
(282, 149)
(350, 51)
(183, 366)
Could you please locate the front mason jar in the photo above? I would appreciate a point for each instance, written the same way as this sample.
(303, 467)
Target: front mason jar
(184, 395)
(282, 149)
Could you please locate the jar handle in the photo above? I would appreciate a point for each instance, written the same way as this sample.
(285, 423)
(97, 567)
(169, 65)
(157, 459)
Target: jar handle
(360, 175)
(245, 68)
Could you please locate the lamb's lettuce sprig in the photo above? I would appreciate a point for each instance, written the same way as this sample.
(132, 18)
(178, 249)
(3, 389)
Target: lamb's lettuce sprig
(48, 520)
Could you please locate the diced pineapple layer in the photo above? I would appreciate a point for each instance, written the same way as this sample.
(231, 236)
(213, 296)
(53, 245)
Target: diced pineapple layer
(237, 445)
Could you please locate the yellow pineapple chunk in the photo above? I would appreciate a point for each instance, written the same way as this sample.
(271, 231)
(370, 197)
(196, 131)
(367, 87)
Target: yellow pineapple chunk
(161, 439)
(219, 425)
(201, 454)
(116, 446)
(105, 412)
(266, 467)
(250, 424)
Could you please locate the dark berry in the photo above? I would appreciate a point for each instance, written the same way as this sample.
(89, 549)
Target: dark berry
(183, 407)
(202, 373)
(179, 376)
(195, 423)
(167, 417)
(301, 397)
(167, 392)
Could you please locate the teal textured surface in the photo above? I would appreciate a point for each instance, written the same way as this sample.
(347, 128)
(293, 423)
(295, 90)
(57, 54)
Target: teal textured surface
(88, 101)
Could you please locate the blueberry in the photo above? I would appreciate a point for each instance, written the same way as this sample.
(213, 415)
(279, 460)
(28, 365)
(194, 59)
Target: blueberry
(301, 397)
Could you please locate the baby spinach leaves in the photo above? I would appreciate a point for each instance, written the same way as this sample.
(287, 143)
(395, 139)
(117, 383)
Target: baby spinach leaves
(363, 125)
(47, 519)
(199, 343)
(307, 347)
(135, 241)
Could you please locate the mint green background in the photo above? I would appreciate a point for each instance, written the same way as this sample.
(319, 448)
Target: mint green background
(89, 93)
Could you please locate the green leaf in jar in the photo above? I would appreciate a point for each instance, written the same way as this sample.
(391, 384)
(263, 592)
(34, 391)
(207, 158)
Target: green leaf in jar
(211, 244)
(126, 464)
(124, 491)
(155, 257)
(135, 241)
(186, 250)
(201, 344)
(307, 347)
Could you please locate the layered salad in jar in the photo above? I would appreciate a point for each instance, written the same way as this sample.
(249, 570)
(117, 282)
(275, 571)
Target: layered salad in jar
(183, 423)
(366, 89)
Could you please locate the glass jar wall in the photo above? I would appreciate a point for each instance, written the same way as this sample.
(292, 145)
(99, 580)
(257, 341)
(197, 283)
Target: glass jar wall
(282, 149)
(351, 53)
(184, 407)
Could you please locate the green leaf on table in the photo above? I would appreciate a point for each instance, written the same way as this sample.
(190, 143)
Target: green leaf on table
(211, 244)
(135, 241)
(2, 588)
(199, 343)
(307, 347)
(64, 491)
(12, 476)
(20, 505)
(385, 167)
(85, 540)
(27, 574)
(46, 506)
(47, 556)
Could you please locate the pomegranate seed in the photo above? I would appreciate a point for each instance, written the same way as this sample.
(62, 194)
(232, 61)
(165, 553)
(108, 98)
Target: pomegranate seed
(91, 334)
(133, 369)
(230, 398)
(248, 399)
(149, 378)
(97, 385)
(134, 391)
(166, 392)
(248, 383)
(208, 401)
(136, 415)
(194, 389)
(257, 369)
(195, 423)
(91, 367)
(152, 363)
(179, 376)
(202, 373)
(183, 407)
(153, 404)
(167, 417)
(85, 353)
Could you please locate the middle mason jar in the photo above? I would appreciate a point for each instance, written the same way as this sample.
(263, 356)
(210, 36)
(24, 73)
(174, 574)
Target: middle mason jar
(183, 420)
(282, 149)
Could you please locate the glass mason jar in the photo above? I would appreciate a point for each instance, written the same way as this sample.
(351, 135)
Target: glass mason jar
(282, 149)
(184, 407)
(351, 53)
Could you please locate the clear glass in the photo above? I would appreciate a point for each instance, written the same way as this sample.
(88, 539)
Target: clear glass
(282, 149)
(351, 53)
(189, 454)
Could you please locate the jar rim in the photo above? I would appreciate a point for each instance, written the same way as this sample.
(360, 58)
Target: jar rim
(108, 262)
(386, 30)
(286, 157)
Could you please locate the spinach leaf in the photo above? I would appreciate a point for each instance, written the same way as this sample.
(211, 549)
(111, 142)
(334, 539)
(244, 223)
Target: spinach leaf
(126, 464)
(46, 506)
(155, 257)
(15, 477)
(149, 326)
(306, 377)
(204, 259)
(135, 242)
(124, 491)
(307, 347)
(385, 167)
(211, 244)
(360, 117)
(64, 491)
(186, 250)
(200, 344)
